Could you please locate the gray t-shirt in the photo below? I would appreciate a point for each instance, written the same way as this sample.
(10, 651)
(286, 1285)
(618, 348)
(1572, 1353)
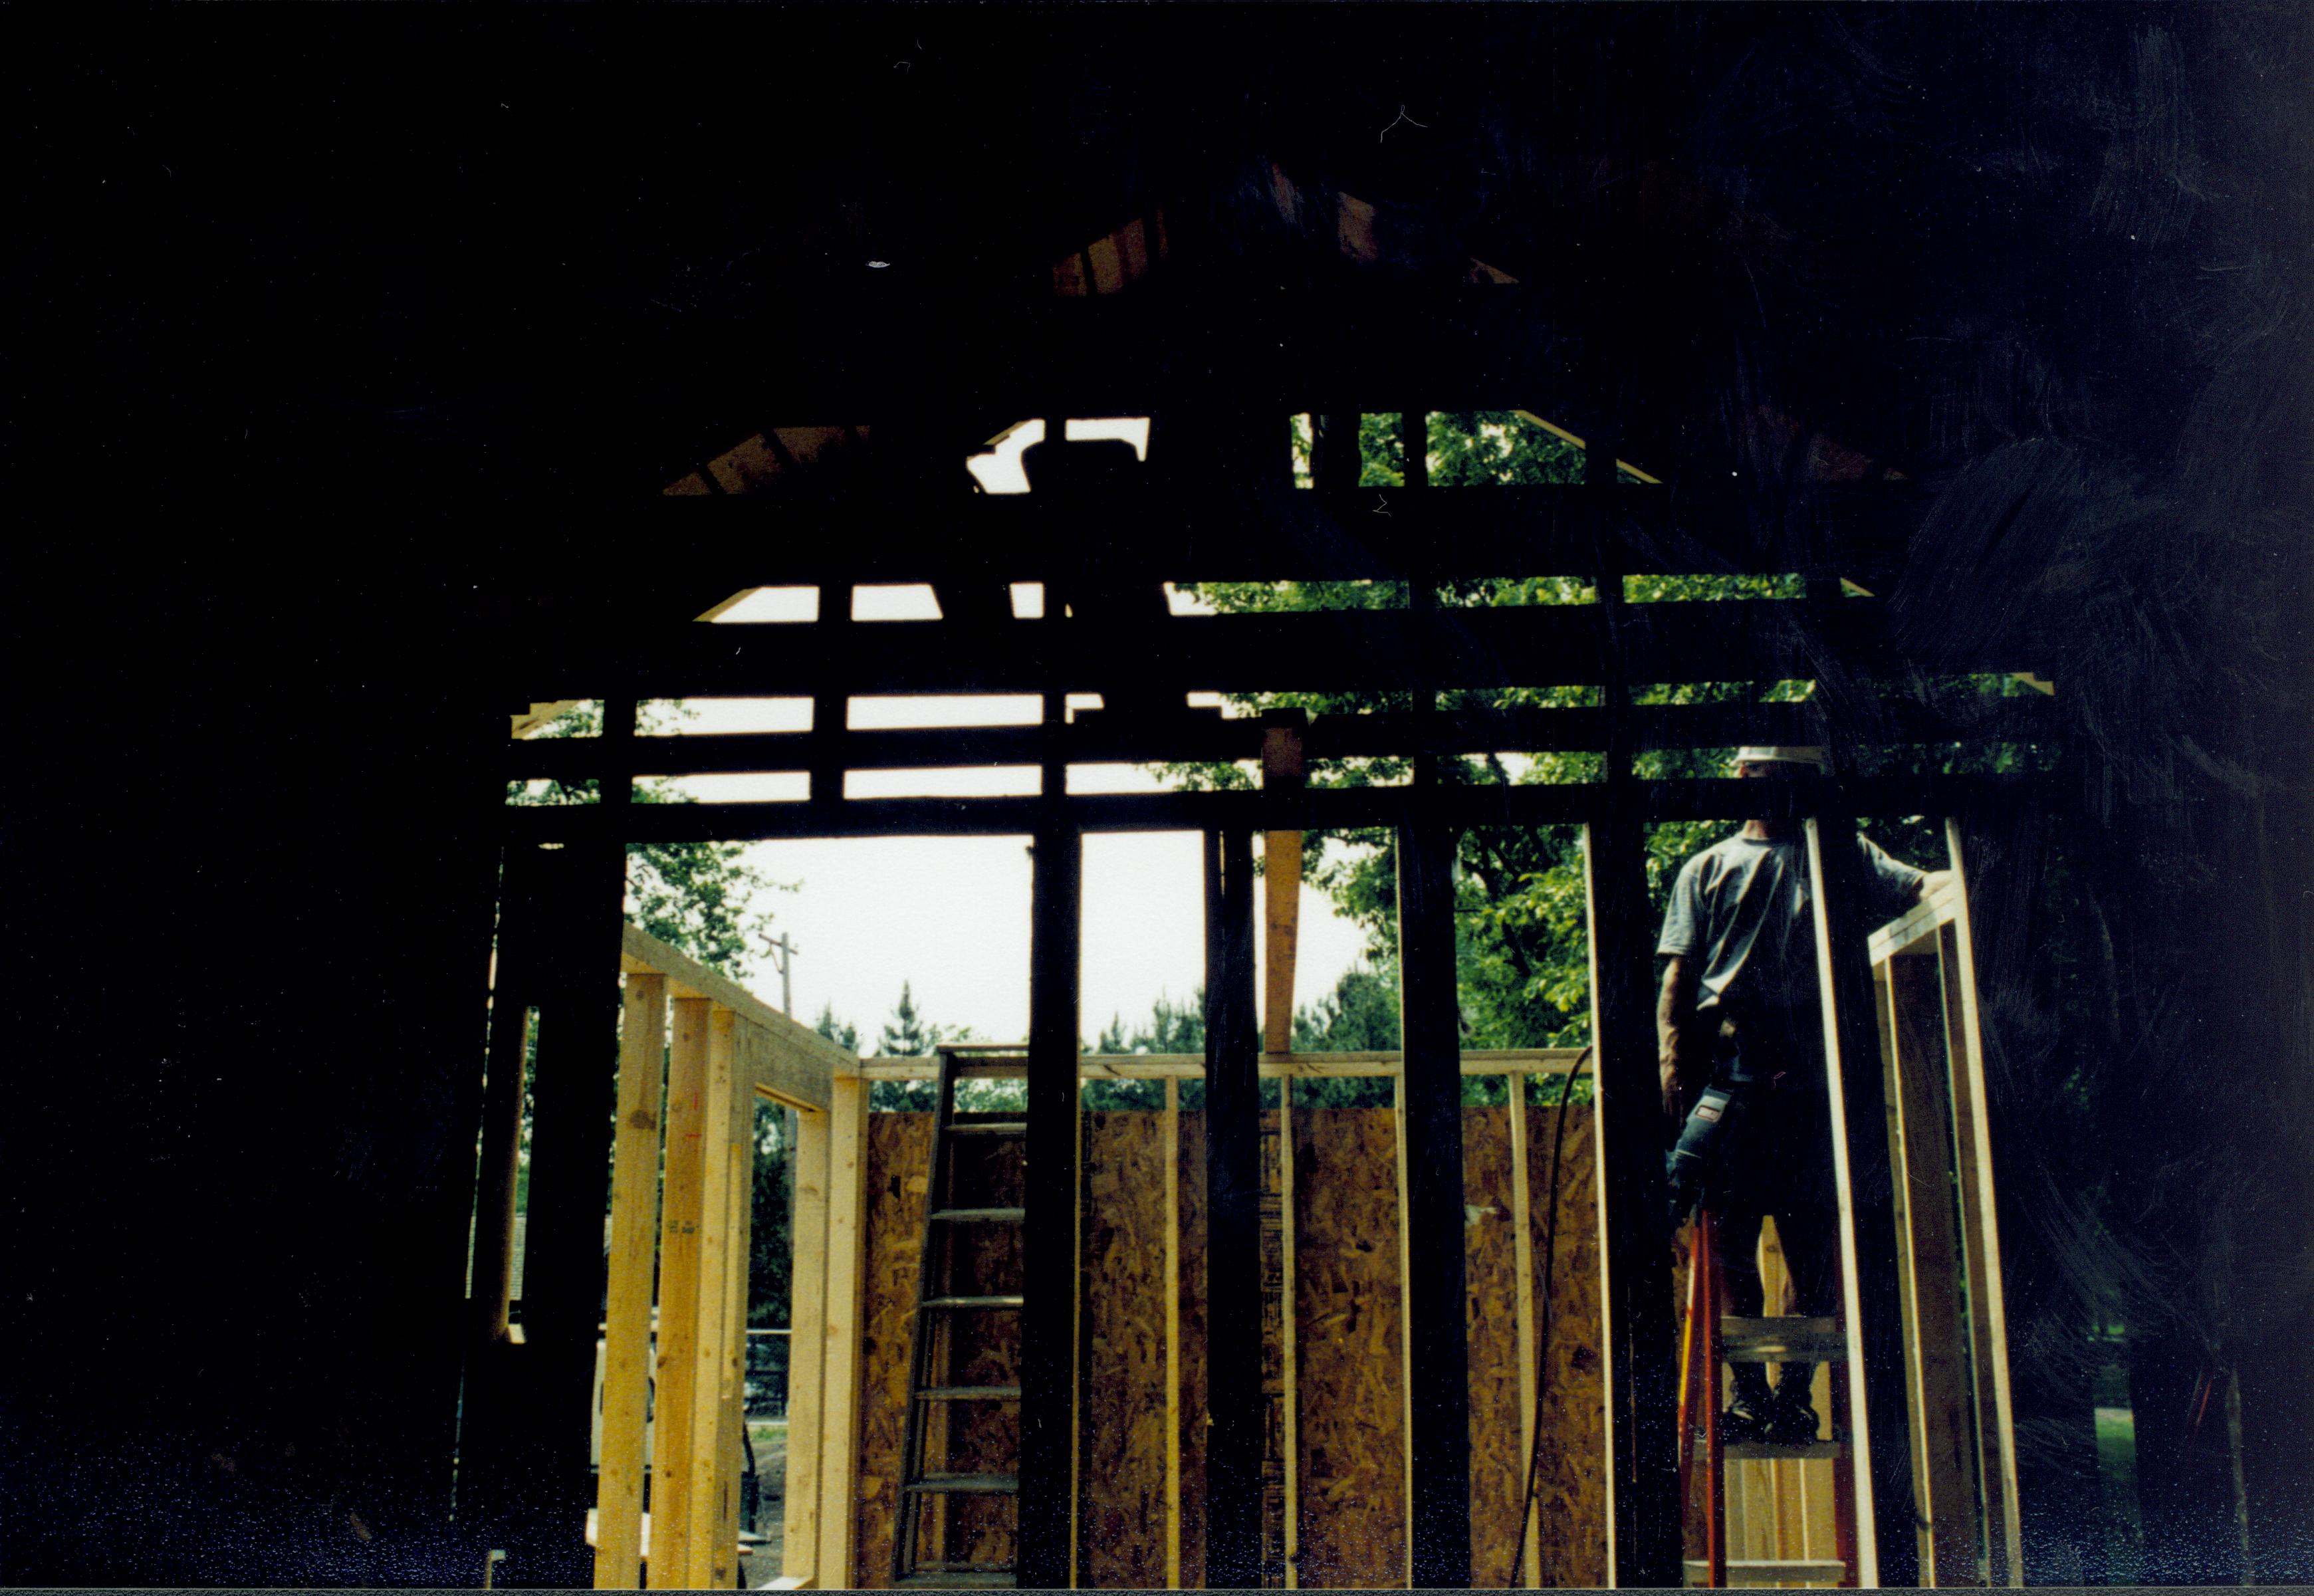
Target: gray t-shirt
(1744, 907)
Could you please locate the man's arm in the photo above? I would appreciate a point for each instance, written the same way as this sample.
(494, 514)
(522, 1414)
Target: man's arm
(1683, 1062)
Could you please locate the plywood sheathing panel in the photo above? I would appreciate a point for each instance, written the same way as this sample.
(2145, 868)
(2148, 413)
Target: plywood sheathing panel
(1192, 1172)
(899, 1170)
(1353, 1509)
(1123, 1417)
(1353, 1434)
(1570, 1484)
(1490, 1274)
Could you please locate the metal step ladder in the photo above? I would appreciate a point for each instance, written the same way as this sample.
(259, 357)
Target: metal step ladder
(1707, 1343)
(941, 1300)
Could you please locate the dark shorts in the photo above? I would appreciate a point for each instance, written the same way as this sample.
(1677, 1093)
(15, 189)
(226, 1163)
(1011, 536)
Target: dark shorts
(1761, 1137)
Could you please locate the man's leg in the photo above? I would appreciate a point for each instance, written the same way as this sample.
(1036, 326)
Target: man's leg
(1739, 1267)
(1810, 1236)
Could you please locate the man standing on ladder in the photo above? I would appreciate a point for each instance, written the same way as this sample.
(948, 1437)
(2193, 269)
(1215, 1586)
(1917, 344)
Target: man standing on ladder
(1740, 1027)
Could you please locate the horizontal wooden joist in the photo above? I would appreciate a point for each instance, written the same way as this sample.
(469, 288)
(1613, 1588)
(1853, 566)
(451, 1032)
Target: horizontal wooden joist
(1100, 738)
(1179, 526)
(1345, 347)
(1323, 651)
(1312, 809)
(789, 1062)
(1191, 1066)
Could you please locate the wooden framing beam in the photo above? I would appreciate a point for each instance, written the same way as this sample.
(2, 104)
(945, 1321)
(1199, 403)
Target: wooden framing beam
(633, 1269)
(1008, 1065)
(1644, 1513)
(1289, 1358)
(1530, 1373)
(1438, 1389)
(1098, 738)
(1172, 1152)
(681, 1241)
(1050, 1259)
(1880, 1450)
(1281, 881)
(705, 1563)
(1234, 1398)
(807, 1352)
(1331, 651)
(1981, 1228)
(1937, 1338)
(1319, 809)
(792, 1063)
(846, 1306)
(574, 1097)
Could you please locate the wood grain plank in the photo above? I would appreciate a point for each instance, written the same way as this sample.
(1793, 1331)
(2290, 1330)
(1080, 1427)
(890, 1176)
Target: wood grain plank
(627, 1297)
(678, 1296)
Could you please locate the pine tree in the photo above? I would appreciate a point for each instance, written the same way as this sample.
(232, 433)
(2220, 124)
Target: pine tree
(841, 1032)
(907, 1035)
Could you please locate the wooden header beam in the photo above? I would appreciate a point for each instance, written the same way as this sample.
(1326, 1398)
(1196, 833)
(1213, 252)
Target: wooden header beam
(1191, 1066)
(1323, 650)
(1178, 530)
(1097, 737)
(1326, 808)
(792, 1062)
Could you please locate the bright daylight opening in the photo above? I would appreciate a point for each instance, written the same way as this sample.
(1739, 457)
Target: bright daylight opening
(1000, 471)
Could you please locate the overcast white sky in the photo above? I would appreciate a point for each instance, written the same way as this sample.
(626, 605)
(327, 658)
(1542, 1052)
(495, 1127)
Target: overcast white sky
(949, 916)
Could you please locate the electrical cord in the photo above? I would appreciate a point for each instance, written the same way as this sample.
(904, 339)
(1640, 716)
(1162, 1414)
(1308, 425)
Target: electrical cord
(1543, 1338)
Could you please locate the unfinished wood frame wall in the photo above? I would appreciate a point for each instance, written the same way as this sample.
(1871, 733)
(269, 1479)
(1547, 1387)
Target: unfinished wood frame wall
(674, 1375)
(1505, 1174)
(1956, 1377)
(1963, 1432)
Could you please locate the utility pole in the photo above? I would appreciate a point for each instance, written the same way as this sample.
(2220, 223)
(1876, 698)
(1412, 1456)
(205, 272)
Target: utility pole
(782, 953)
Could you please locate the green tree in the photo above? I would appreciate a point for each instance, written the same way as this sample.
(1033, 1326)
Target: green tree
(843, 1033)
(1521, 941)
(704, 899)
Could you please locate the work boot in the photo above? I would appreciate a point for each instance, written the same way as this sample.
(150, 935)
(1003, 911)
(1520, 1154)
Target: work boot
(1792, 1415)
(1748, 1416)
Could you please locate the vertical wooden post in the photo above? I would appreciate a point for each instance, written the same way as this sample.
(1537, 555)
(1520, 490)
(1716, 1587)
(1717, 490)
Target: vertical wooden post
(731, 1446)
(573, 1099)
(1172, 1145)
(807, 1353)
(627, 1309)
(847, 1289)
(1233, 1221)
(674, 1406)
(1643, 1505)
(1050, 1261)
(1399, 1175)
(1289, 1331)
(709, 1348)
(1281, 879)
(503, 1094)
(1438, 1441)
(1880, 1447)
(1280, 857)
(1942, 1449)
(1981, 1231)
(1528, 1375)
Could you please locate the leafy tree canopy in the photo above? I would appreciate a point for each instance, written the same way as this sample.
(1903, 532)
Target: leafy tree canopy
(1521, 944)
(704, 899)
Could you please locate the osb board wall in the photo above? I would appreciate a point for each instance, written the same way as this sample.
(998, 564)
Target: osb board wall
(1349, 1401)
(1570, 1489)
(1121, 1522)
(1352, 1456)
(1490, 1252)
(985, 1348)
